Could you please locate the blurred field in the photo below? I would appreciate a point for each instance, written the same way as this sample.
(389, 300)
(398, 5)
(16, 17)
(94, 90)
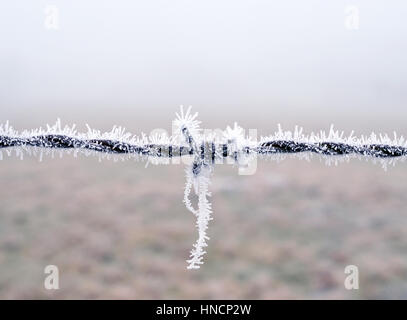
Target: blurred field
(119, 230)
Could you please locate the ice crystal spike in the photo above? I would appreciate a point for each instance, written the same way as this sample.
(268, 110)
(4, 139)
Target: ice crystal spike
(188, 141)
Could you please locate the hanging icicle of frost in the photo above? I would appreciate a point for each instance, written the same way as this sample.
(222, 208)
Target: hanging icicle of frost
(203, 215)
(197, 178)
(187, 191)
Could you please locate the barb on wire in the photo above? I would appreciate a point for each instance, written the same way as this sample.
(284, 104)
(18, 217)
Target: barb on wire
(188, 140)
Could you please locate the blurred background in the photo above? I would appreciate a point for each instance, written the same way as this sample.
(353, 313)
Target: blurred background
(120, 230)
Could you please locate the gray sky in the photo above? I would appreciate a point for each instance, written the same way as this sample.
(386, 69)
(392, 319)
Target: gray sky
(258, 62)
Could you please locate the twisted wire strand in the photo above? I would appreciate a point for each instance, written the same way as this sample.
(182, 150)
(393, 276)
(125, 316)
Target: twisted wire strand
(333, 148)
(207, 149)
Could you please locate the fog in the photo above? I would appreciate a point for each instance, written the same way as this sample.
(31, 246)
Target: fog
(258, 62)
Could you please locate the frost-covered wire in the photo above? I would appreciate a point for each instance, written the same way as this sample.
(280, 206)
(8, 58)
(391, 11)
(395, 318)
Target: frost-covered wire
(119, 142)
(204, 150)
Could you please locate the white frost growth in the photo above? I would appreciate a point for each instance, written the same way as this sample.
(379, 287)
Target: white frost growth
(336, 136)
(198, 180)
(187, 191)
(186, 120)
(235, 137)
(117, 133)
(201, 185)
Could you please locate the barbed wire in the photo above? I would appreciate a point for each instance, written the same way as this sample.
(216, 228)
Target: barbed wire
(57, 141)
(205, 150)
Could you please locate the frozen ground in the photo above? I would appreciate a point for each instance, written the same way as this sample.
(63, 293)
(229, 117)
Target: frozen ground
(119, 230)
